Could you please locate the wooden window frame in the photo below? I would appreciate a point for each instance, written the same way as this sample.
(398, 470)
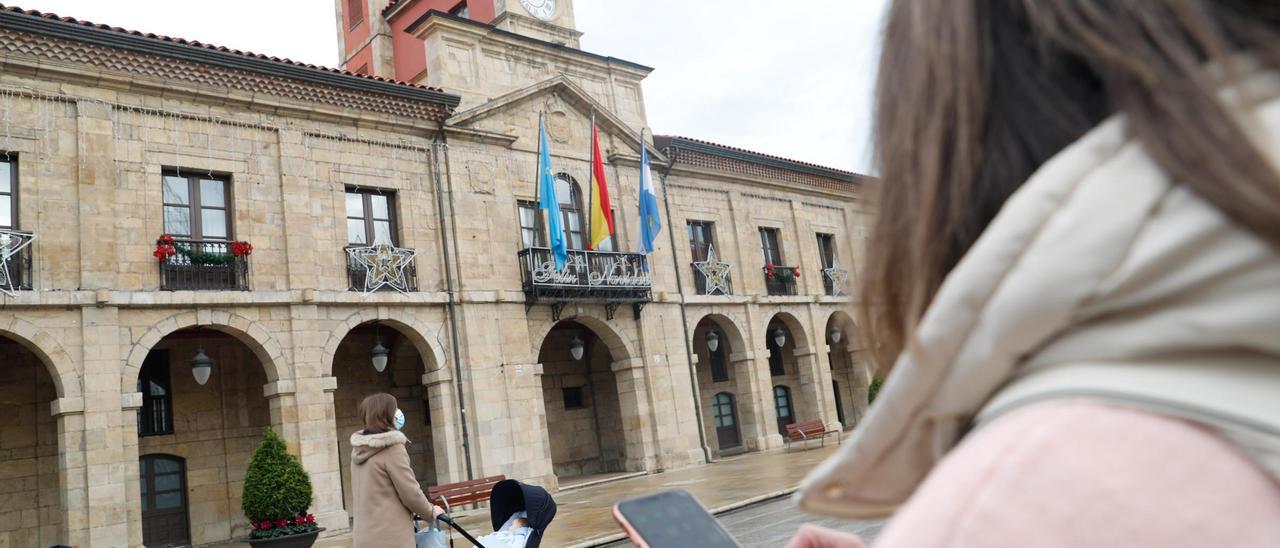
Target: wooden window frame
(195, 204)
(576, 200)
(539, 232)
(765, 232)
(827, 252)
(11, 159)
(146, 375)
(709, 229)
(366, 195)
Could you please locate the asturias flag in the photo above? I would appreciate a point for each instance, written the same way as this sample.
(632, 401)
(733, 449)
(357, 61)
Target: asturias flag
(650, 220)
(601, 214)
(548, 200)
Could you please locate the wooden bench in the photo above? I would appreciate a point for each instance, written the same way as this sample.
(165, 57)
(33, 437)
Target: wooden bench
(809, 430)
(463, 492)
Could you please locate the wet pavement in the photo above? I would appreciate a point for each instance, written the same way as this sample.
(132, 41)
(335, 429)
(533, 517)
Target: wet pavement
(584, 516)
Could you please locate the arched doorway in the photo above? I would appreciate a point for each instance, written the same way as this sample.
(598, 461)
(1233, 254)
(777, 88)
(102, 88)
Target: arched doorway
(202, 416)
(791, 366)
(585, 428)
(164, 500)
(355, 365)
(716, 341)
(28, 448)
(848, 377)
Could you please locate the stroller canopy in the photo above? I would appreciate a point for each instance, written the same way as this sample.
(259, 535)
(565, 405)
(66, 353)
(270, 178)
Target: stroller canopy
(511, 496)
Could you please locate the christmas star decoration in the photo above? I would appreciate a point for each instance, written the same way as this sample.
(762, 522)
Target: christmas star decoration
(11, 242)
(715, 271)
(839, 280)
(384, 265)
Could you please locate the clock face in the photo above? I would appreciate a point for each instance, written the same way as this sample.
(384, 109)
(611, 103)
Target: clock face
(542, 9)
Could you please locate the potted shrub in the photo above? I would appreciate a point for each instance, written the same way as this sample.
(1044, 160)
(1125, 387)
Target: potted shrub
(277, 494)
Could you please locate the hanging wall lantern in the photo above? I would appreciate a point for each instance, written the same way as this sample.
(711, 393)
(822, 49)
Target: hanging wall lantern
(779, 337)
(379, 354)
(576, 347)
(201, 365)
(713, 340)
(835, 334)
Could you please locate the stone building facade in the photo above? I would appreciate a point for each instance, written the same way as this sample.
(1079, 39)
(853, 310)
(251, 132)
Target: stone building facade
(111, 139)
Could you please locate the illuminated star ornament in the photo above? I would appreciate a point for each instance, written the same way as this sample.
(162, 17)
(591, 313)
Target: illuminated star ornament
(11, 242)
(384, 265)
(839, 280)
(715, 271)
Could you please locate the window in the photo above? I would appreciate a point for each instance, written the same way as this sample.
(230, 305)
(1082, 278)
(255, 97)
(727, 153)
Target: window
(197, 207)
(782, 405)
(776, 367)
(9, 192)
(530, 225)
(156, 416)
(769, 246)
(355, 13)
(370, 217)
(827, 250)
(719, 370)
(461, 10)
(573, 397)
(701, 238)
(722, 409)
(570, 197)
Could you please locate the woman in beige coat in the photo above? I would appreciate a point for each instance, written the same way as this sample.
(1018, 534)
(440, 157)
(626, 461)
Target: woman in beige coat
(384, 489)
(1074, 282)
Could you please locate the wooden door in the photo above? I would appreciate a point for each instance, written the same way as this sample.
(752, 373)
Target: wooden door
(726, 418)
(164, 501)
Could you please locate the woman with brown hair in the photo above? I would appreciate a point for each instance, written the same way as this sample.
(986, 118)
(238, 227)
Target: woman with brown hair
(383, 487)
(1073, 284)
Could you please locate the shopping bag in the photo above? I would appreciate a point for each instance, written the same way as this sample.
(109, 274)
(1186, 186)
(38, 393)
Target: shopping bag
(430, 537)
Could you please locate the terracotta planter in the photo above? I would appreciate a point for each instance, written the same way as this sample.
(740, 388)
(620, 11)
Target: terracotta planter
(301, 540)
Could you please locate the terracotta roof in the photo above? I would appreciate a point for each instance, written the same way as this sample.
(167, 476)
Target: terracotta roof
(213, 47)
(664, 142)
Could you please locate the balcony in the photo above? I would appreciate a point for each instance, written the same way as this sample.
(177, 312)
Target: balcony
(203, 265)
(605, 277)
(357, 274)
(835, 281)
(780, 280)
(17, 270)
(710, 274)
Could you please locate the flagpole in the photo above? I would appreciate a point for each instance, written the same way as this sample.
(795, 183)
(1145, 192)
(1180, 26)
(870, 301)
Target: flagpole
(591, 182)
(537, 185)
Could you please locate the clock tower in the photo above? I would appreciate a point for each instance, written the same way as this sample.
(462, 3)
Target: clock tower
(549, 20)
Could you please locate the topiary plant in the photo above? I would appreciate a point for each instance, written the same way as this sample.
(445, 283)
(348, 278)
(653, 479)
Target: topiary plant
(277, 491)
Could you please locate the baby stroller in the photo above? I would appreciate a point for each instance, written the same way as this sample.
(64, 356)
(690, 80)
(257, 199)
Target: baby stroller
(508, 501)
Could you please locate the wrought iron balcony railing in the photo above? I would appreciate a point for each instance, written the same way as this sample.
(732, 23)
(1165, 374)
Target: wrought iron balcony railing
(711, 276)
(589, 276)
(357, 274)
(781, 282)
(17, 270)
(203, 264)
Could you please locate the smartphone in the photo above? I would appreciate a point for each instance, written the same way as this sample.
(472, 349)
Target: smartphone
(671, 519)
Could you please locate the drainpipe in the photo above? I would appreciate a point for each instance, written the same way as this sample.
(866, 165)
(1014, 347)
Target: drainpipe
(684, 320)
(442, 144)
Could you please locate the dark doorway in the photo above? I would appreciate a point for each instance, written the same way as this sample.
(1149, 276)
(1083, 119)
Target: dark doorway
(164, 501)
(726, 417)
(782, 404)
(835, 388)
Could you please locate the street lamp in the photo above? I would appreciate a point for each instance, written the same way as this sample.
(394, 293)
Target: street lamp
(201, 365)
(713, 340)
(379, 353)
(779, 337)
(575, 348)
(835, 334)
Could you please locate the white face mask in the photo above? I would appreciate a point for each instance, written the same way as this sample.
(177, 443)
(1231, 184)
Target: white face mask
(399, 420)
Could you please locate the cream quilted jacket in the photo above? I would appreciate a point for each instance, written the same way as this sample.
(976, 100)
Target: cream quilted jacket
(1099, 278)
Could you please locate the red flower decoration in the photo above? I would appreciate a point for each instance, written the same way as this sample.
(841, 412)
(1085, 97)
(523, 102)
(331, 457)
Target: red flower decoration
(311, 519)
(166, 239)
(162, 251)
(241, 249)
(282, 522)
(795, 272)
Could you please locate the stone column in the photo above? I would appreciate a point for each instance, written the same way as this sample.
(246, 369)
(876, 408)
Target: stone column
(318, 449)
(815, 387)
(130, 403)
(754, 418)
(110, 434)
(861, 376)
(636, 414)
(446, 439)
(69, 412)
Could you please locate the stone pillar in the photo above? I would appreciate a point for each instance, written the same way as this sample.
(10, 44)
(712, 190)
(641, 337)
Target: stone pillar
(130, 403)
(110, 434)
(861, 376)
(754, 418)
(815, 387)
(636, 414)
(69, 413)
(95, 142)
(318, 450)
(446, 439)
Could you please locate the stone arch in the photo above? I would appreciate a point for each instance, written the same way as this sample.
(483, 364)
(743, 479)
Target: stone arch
(618, 347)
(848, 330)
(46, 347)
(795, 329)
(257, 338)
(727, 326)
(413, 329)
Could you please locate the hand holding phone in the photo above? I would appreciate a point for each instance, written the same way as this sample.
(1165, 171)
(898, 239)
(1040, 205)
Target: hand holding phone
(671, 519)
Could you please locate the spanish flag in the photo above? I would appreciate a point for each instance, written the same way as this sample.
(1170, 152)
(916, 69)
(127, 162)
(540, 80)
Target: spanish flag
(601, 213)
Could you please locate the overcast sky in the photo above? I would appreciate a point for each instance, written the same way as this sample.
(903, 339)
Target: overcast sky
(757, 74)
